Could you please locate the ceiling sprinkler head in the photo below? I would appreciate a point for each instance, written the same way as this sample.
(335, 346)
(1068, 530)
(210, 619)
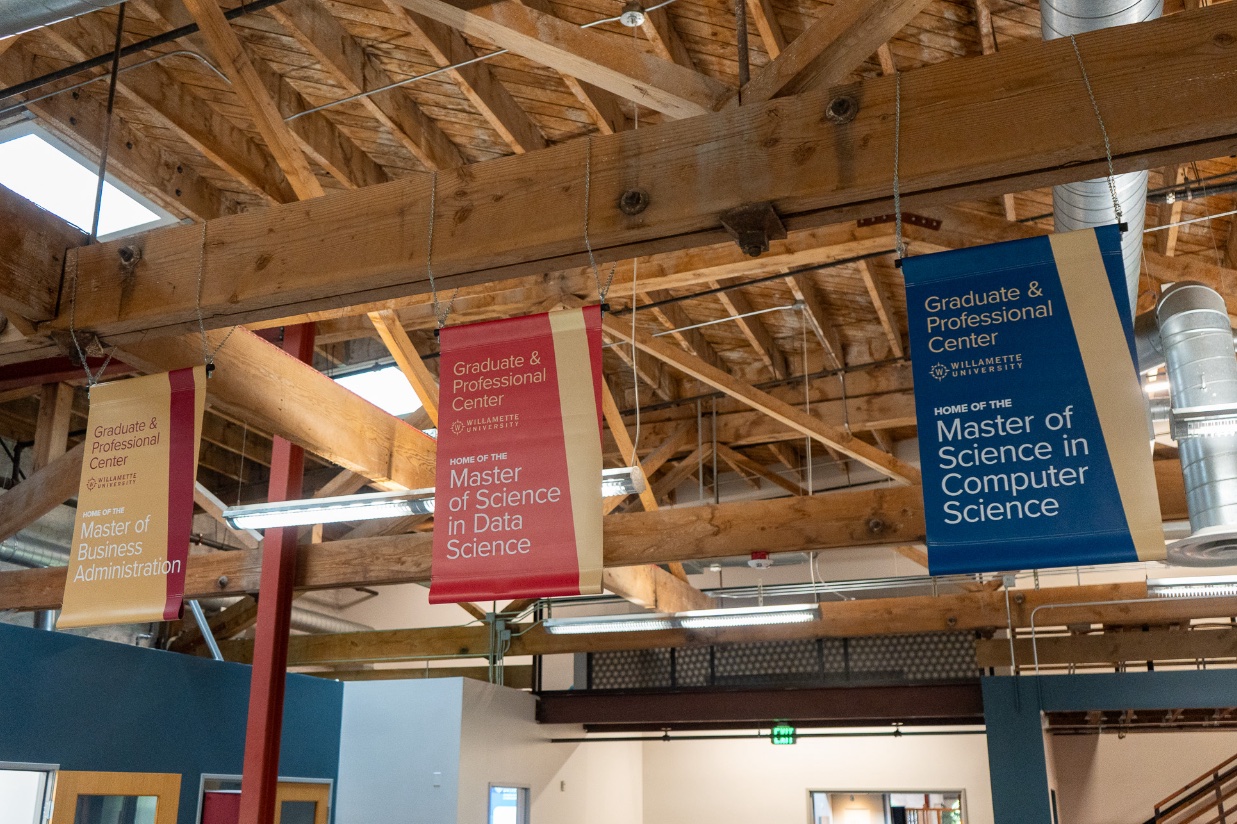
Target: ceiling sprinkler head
(633, 14)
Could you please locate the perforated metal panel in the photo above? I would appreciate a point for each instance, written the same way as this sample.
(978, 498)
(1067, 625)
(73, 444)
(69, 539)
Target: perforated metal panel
(943, 656)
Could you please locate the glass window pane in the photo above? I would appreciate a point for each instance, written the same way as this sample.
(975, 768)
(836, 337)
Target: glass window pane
(508, 805)
(21, 796)
(116, 809)
(297, 812)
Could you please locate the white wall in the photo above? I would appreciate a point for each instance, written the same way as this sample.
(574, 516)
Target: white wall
(1103, 779)
(395, 736)
(745, 781)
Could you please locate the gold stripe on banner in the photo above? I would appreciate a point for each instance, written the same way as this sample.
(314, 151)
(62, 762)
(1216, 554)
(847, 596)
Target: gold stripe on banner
(582, 436)
(1110, 372)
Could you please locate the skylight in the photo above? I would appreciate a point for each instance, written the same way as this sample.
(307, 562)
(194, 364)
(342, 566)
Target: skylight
(37, 167)
(385, 388)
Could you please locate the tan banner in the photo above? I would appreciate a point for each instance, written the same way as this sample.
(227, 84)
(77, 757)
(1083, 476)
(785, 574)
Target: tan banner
(135, 503)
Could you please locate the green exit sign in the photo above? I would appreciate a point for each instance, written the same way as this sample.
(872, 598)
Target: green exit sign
(782, 734)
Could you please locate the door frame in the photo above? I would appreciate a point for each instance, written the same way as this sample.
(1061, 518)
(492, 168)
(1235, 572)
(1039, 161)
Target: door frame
(49, 789)
(330, 782)
(72, 783)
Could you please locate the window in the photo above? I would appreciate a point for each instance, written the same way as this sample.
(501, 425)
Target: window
(47, 172)
(508, 805)
(24, 794)
(385, 387)
(887, 808)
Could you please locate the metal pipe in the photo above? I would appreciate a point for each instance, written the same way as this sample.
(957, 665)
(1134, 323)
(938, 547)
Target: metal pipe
(204, 628)
(1089, 203)
(1202, 372)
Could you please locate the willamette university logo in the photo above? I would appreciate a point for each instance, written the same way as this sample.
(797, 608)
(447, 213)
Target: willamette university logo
(940, 371)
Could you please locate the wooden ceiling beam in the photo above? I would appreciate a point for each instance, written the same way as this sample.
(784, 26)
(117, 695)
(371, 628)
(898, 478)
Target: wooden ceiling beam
(884, 308)
(1168, 214)
(844, 519)
(681, 471)
(827, 53)
(345, 59)
(32, 252)
(155, 89)
(408, 360)
(659, 29)
(447, 47)
(795, 418)
(586, 55)
(280, 262)
(838, 619)
(675, 319)
(210, 503)
(741, 464)
(236, 63)
(653, 588)
(762, 13)
(258, 382)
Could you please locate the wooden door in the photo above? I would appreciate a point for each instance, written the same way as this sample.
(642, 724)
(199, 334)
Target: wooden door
(84, 792)
(302, 802)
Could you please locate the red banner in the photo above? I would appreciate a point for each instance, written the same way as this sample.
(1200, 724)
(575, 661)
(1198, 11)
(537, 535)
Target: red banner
(518, 494)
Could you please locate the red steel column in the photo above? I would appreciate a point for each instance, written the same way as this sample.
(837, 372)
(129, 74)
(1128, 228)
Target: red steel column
(270, 649)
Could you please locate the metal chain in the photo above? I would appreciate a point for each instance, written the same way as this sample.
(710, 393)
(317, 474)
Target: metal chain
(899, 244)
(602, 291)
(440, 314)
(208, 356)
(91, 377)
(1112, 183)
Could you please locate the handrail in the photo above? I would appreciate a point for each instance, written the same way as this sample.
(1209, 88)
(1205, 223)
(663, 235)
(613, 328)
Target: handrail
(1208, 776)
(1214, 783)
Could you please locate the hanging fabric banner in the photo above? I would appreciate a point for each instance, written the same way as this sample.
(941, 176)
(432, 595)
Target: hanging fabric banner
(135, 503)
(518, 495)
(1032, 424)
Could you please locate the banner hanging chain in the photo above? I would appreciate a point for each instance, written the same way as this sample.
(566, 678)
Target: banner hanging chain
(208, 357)
(899, 244)
(91, 377)
(1095, 106)
(440, 314)
(602, 291)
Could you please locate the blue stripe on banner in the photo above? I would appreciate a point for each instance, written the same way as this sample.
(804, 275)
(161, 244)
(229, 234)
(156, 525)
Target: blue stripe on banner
(1016, 472)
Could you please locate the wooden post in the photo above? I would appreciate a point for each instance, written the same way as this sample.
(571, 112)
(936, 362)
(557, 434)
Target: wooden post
(270, 659)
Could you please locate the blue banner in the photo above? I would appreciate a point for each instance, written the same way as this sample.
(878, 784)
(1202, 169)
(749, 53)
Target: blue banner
(1032, 431)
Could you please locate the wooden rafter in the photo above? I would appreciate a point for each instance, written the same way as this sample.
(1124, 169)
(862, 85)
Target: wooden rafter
(1168, 214)
(818, 318)
(154, 89)
(883, 306)
(761, 13)
(659, 29)
(356, 70)
(236, 63)
(793, 417)
(408, 360)
(826, 54)
(754, 329)
(741, 464)
(586, 55)
(653, 588)
(490, 97)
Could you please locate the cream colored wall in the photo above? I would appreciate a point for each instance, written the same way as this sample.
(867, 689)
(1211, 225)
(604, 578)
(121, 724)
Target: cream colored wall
(745, 781)
(1103, 779)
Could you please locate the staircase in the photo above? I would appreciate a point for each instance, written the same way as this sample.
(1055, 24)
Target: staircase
(1208, 799)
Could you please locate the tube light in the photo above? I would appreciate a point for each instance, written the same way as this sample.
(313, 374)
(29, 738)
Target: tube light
(748, 616)
(609, 623)
(627, 480)
(1207, 587)
(331, 510)
(1217, 420)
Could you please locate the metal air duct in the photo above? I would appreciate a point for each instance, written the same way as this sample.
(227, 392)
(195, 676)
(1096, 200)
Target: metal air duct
(1088, 203)
(17, 16)
(1197, 342)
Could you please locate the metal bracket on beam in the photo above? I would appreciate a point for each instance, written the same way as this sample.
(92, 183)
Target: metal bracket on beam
(753, 226)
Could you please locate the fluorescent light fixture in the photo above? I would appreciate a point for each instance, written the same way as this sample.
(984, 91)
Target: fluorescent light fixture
(53, 176)
(370, 506)
(1216, 420)
(331, 510)
(628, 480)
(1156, 388)
(385, 388)
(639, 622)
(748, 616)
(1216, 586)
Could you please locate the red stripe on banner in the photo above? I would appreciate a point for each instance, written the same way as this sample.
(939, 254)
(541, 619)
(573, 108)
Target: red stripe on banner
(182, 440)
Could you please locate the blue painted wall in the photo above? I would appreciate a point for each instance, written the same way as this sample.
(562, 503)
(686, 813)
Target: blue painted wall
(94, 705)
(1012, 714)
